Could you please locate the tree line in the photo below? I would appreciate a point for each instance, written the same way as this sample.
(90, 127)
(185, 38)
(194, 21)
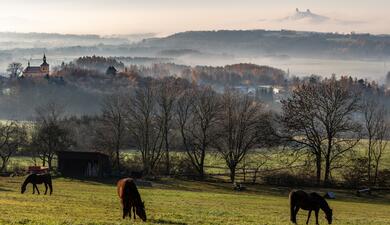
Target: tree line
(163, 116)
(324, 118)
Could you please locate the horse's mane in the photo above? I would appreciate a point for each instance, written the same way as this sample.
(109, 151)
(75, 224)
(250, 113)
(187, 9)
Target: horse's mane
(321, 200)
(26, 181)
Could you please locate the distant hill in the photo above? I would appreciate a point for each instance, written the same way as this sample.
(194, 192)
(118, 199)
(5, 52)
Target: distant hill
(11, 40)
(264, 42)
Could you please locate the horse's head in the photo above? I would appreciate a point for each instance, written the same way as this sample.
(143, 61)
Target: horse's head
(140, 210)
(329, 216)
(24, 185)
(23, 189)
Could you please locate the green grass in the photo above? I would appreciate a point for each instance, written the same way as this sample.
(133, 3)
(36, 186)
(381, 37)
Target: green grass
(175, 202)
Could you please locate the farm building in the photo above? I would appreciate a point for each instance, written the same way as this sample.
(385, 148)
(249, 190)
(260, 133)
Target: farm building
(111, 71)
(82, 164)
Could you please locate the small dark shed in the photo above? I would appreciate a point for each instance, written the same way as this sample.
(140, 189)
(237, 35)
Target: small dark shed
(82, 164)
(111, 71)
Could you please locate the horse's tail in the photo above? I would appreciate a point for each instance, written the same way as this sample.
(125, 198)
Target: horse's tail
(292, 207)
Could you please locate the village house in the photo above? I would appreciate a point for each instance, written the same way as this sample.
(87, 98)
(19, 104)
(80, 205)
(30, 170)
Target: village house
(37, 71)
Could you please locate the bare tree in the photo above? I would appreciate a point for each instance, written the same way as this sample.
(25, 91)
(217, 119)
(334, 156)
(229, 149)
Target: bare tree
(377, 131)
(319, 117)
(301, 125)
(197, 112)
(166, 99)
(110, 132)
(12, 138)
(239, 128)
(14, 69)
(381, 145)
(50, 133)
(144, 127)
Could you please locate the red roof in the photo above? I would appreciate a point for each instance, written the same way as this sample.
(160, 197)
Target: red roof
(33, 69)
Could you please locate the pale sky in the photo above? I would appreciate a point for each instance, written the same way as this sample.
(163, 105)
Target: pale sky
(168, 16)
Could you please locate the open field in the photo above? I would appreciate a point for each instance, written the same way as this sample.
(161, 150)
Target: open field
(174, 202)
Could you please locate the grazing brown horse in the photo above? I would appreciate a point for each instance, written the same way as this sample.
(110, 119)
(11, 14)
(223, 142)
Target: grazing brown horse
(130, 198)
(35, 179)
(311, 202)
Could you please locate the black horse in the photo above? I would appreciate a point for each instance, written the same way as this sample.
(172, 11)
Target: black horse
(311, 202)
(35, 179)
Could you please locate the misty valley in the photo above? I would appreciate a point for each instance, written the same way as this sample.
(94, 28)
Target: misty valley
(225, 113)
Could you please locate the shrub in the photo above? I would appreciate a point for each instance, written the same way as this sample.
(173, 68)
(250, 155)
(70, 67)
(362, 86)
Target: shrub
(131, 164)
(384, 178)
(288, 179)
(356, 174)
(181, 166)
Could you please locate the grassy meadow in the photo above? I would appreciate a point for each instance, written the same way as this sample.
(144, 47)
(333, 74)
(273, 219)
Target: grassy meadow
(177, 202)
(180, 202)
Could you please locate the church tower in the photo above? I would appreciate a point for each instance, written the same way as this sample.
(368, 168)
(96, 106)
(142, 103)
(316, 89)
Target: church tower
(45, 66)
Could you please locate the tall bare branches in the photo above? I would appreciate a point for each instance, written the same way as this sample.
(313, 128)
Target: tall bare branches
(377, 131)
(50, 133)
(166, 100)
(197, 116)
(144, 128)
(111, 134)
(12, 137)
(319, 115)
(239, 128)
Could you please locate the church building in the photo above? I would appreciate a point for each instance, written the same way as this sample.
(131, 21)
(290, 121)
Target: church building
(37, 71)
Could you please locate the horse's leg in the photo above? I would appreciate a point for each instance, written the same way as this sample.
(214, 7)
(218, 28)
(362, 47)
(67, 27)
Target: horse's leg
(50, 187)
(134, 212)
(129, 212)
(292, 216)
(124, 209)
(124, 212)
(316, 213)
(295, 214)
(308, 217)
(36, 186)
(293, 211)
(45, 188)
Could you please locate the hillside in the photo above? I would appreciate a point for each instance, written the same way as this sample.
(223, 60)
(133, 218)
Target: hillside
(265, 42)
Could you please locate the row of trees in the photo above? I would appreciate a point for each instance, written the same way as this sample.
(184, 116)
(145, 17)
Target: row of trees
(325, 118)
(328, 118)
(160, 117)
(41, 139)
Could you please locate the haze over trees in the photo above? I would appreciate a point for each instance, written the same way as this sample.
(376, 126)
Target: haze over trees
(14, 70)
(224, 111)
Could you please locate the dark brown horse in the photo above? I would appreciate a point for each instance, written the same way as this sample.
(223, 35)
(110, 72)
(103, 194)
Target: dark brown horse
(130, 198)
(311, 202)
(35, 179)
